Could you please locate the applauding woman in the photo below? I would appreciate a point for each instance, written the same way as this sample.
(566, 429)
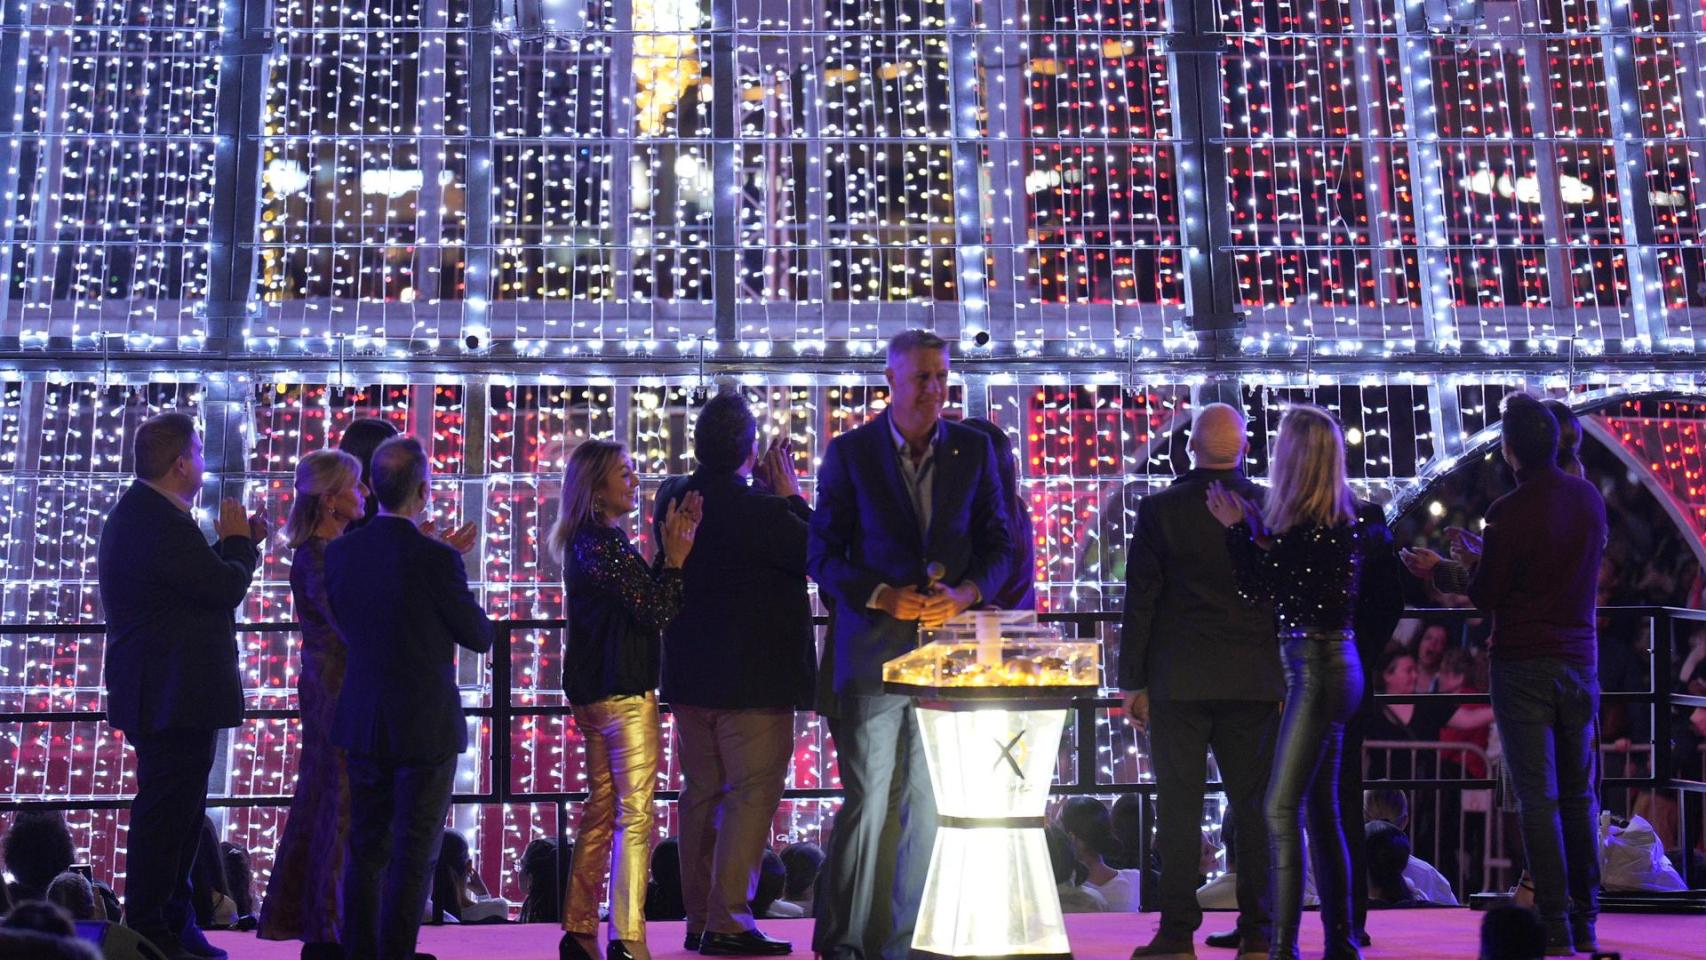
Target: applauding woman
(1304, 553)
(618, 607)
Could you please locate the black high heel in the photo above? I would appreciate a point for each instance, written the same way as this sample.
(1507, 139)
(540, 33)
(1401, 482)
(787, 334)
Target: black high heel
(617, 950)
(569, 948)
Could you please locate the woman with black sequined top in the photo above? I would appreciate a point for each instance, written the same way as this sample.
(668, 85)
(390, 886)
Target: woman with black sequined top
(618, 607)
(1304, 553)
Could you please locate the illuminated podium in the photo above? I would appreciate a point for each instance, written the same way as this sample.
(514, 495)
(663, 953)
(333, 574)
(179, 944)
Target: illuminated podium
(992, 691)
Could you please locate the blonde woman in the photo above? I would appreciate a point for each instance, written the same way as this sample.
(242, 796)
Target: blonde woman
(618, 607)
(1304, 553)
(303, 893)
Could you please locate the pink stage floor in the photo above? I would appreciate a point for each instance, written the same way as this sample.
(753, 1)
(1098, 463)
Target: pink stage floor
(1418, 934)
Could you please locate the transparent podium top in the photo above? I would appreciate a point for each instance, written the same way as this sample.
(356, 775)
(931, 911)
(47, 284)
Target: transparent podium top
(996, 655)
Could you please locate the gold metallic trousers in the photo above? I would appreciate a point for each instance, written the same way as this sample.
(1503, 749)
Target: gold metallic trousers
(615, 832)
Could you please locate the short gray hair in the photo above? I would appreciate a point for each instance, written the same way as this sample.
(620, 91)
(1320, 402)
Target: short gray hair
(907, 341)
(399, 468)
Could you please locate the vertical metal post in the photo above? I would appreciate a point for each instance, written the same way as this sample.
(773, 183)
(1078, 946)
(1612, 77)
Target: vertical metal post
(1560, 281)
(1003, 60)
(966, 154)
(1427, 182)
(726, 172)
(621, 150)
(477, 272)
(13, 63)
(434, 146)
(245, 51)
(1211, 282)
(1629, 150)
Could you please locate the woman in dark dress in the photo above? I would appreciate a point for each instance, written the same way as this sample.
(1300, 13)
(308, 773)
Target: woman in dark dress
(1305, 553)
(618, 607)
(304, 891)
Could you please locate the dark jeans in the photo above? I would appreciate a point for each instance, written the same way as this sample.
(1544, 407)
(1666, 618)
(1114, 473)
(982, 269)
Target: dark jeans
(397, 815)
(1241, 733)
(1323, 687)
(1545, 709)
(883, 833)
(172, 767)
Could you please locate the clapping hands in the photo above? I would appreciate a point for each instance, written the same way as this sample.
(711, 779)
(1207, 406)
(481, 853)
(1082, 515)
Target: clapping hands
(775, 469)
(461, 539)
(680, 525)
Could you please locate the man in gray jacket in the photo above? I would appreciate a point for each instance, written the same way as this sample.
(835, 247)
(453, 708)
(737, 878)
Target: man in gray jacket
(1199, 669)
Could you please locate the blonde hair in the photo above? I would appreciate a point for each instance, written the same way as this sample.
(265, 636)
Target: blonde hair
(591, 462)
(1307, 476)
(321, 474)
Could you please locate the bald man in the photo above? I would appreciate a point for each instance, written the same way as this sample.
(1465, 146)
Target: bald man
(1199, 669)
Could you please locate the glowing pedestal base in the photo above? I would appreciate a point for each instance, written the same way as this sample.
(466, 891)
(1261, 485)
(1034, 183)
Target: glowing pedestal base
(990, 892)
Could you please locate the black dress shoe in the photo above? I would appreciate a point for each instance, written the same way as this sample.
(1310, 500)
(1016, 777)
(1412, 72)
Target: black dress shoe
(617, 950)
(750, 943)
(166, 942)
(193, 940)
(1363, 939)
(1229, 938)
(691, 942)
(569, 948)
(322, 951)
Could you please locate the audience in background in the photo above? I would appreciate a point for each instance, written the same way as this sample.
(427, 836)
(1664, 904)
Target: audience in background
(663, 891)
(360, 439)
(767, 896)
(1075, 896)
(1422, 882)
(73, 893)
(37, 849)
(1090, 827)
(459, 895)
(542, 875)
(804, 862)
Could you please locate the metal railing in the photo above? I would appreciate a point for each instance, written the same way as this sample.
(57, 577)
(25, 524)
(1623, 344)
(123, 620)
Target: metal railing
(1083, 779)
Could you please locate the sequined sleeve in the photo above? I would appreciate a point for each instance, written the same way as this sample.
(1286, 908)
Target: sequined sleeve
(652, 596)
(1252, 567)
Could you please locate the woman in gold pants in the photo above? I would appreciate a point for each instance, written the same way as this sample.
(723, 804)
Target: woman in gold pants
(617, 608)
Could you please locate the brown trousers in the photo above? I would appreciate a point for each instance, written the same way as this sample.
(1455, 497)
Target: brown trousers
(734, 764)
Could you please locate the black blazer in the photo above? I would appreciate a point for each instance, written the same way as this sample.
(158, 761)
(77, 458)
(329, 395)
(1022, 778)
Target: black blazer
(1187, 633)
(401, 601)
(170, 603)
(1380, 594)
(744, 636)
(865, 533)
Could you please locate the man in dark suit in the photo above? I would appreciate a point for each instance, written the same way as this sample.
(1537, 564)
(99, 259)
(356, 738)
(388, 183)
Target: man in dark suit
(737, 660)
(171, 667)
(901, 497)
(402, 603)
(1200, 669)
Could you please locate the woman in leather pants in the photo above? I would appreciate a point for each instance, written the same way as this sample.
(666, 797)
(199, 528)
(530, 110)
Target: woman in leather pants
(1304, 553)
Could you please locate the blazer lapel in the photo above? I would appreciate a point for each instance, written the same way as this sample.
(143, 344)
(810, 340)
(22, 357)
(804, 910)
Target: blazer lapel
(947, 481)
(889, 458)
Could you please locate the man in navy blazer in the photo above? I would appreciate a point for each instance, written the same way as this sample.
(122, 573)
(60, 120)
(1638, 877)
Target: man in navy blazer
(171, 665)
(909, 530)
(402, 603)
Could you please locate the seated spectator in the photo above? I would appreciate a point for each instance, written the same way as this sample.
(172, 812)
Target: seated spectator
(1388, 850)
(209, 892)
(1127, 823)
(1391, 809)
(37, 849)
(772, 880)
(1221, 893)
(1087, 821)
(240, 882)
(663, 893)
(459, 895)
(1512, 933)
(42, 917)
(30, 945)
(1075, 897)
(73, 893)
(803, 861)
(542, 874)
